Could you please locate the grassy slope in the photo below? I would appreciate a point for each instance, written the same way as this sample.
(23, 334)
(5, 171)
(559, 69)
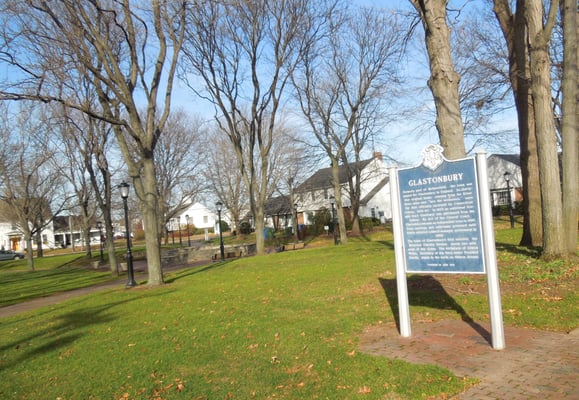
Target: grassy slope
(281, 326)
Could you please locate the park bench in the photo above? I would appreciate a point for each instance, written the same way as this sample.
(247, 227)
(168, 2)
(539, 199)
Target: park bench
(227, 254)
(294, 246)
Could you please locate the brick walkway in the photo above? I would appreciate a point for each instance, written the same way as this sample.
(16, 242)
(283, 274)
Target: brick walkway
(534, 365)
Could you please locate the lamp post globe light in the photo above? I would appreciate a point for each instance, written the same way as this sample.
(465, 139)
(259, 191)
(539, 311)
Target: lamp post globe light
(507, 176)
(124, 187)
(219, 207)
(99, 226)
(332, 199)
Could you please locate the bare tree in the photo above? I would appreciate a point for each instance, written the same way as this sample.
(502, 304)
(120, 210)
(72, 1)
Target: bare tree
(227, 182)
(243, 54)
(570, 122)
(128, 52)
(339, 87)
(514, 28)
(444, 80)
(549, 177)
(30, 188)
(180, 158)
(86, 143)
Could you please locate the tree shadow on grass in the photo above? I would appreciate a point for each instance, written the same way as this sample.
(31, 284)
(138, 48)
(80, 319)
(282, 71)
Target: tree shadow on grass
(533, 252)
(194, 270)
(427, 291)
(64, 330)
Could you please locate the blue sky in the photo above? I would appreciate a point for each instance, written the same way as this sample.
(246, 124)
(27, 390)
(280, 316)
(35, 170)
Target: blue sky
(403, 139)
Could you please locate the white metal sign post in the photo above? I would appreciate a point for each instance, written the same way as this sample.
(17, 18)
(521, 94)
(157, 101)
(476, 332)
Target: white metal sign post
(442, 222)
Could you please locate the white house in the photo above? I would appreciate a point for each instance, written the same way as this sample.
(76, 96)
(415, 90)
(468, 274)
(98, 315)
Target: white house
(199, 216)
(11, 237)
(315, 193)
(504, 176)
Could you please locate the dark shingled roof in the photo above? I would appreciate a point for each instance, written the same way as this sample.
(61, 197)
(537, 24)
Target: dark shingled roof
(322, 179)
(278, 206)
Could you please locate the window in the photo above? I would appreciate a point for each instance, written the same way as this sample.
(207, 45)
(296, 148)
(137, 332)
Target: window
(373, 212)
(501, 198)
(205, 219)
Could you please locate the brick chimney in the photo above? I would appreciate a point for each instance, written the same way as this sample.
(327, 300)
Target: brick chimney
(377, 155)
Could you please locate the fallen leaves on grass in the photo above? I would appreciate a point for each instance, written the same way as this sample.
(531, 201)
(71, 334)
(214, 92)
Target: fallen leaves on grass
(364, 390)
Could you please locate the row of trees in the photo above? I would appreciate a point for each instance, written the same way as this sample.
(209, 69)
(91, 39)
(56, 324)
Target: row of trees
(111, 67)
(550, 209)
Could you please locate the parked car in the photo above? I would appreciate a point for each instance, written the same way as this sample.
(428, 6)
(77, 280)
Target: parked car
(10, 255)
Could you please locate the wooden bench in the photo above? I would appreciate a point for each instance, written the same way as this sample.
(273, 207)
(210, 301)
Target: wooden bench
(294, 246)
(228, 254)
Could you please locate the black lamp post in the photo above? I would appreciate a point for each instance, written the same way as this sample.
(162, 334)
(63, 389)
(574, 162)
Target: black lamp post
(507, 176)
(173, 230)
(124, 187)
(296, 225)
(188, 237)
(218, 206)
(334, 220)
(180, 236)
(99, 226)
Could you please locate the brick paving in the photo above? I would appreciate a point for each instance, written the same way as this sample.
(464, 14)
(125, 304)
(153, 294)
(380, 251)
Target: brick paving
(534, 364)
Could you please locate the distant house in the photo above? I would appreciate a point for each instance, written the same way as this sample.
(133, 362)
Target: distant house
(314, 194)
(500, 169)
(199, 216)
(12, 237)
(279, 213)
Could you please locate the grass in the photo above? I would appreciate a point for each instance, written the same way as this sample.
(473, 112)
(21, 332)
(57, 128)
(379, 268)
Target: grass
(282, 326)
(52, 275)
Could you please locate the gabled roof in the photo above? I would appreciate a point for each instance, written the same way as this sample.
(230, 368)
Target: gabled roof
(322, 178)
(511, 158)
(278, 206)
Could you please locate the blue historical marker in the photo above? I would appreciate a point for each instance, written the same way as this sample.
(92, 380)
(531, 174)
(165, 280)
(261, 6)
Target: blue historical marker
(441, 223)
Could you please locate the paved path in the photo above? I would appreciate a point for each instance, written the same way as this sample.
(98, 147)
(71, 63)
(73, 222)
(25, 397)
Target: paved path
(139, 268)
(534, 364)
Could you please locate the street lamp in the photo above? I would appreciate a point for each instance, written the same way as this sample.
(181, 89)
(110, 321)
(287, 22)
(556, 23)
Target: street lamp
(332, 199)
(507, 176)
(296, 225)
(99, 226)
(188, 237)
(173, 230)
(124, 187)
(219, 206)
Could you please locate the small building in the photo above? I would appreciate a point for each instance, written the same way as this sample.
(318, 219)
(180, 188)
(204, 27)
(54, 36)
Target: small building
(505, 180)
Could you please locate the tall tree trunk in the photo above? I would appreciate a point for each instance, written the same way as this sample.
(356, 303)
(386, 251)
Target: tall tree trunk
(549, 177)
(146, 189)
(29, 251)
(570, 122)
(515, 32)
(444, 80)
(339, 204)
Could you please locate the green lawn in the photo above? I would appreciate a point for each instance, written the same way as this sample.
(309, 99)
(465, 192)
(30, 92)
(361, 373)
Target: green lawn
(282, 326)
(52, 275)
